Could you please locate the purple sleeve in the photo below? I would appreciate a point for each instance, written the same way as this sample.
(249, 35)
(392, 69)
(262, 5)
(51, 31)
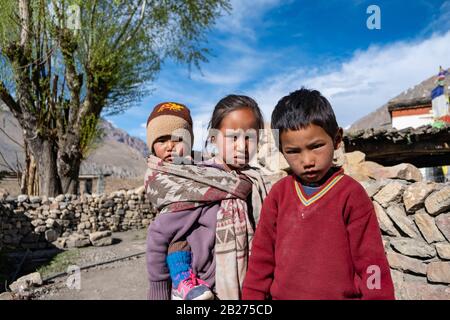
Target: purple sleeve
(165, 229)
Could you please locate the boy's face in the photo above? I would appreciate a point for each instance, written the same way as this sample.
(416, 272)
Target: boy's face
(309, 151)
(168, 148)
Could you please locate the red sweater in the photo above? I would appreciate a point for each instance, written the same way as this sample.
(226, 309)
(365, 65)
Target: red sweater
(323, 246)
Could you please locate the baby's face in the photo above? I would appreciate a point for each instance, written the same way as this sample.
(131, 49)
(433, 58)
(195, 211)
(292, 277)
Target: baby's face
(168, 148)
(309, 151)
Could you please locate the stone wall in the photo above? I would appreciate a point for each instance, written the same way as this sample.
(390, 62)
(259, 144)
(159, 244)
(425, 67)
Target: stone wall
(414, 218)
(67, 220)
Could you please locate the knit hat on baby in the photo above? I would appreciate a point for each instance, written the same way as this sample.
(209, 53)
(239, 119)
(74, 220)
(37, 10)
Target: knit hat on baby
(169, 119)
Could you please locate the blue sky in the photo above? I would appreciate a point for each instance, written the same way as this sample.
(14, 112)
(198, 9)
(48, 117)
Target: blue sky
(268, 48)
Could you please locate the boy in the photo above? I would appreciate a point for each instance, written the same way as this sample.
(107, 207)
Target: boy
(169, 138)
(318, 235)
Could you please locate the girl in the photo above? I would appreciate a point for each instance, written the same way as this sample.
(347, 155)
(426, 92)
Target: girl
(213, 205)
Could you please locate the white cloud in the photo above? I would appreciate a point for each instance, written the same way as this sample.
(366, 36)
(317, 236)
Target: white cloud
(238, 65)
(365, 82)
(441, 21)
(244, 15)
(232, 74)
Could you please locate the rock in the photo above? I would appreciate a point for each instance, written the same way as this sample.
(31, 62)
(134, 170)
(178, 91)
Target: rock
(372, 169)
(372, 187)
(397, 279)
(80, 226)
(37, 222)
(50, 222)
(40, 229)
(428, 228)
(3, 194)
(26, 282)
(385, 223)
(417, 288)
(6, 296)
(108, 204)
(140, 190)
(398, 215)
(359, 171)
(22, 198)
(35, 199)
(355, 157)
(443, 250)
(443, 223)
(77, 241)
(439, 272)
(415, 195)
(101, 238)
(406, 264)
(51, 235)
(390, 193)
(45, 200)
(60, 198)
(403, 171)
(54, 206)
(413, 248)
(438, 201)
(60, 243)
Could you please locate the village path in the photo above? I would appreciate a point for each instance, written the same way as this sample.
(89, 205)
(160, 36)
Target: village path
(120, 280)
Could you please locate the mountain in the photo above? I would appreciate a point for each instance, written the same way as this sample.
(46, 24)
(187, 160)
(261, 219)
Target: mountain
(117, 153)
(381, 117)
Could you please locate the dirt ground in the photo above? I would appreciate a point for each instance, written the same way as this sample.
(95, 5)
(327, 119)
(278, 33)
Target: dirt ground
(121, 280)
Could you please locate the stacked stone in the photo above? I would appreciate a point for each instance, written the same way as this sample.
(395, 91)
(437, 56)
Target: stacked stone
(40, 222)
(414, 218)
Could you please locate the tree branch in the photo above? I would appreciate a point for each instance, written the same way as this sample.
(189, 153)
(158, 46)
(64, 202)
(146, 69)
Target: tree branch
(9, 100)
(24, 12)
(138, 26)
(11, 138)
(7, 165)
(125, 28)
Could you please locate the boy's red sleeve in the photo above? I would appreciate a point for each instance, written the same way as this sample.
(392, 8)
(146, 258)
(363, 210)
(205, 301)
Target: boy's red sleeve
(259, 277)
(369, 258)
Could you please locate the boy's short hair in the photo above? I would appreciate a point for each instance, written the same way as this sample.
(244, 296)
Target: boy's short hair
(304, 107)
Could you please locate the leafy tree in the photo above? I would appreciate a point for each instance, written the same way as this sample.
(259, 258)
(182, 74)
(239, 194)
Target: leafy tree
(64, 63)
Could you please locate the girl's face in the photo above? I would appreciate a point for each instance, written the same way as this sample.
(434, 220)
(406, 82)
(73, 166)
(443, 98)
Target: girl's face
(238, 138)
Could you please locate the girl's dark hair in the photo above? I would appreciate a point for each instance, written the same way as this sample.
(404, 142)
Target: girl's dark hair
(302, 108)
(231, 103)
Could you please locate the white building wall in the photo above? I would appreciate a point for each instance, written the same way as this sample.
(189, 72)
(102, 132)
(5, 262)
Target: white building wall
(415, 121)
